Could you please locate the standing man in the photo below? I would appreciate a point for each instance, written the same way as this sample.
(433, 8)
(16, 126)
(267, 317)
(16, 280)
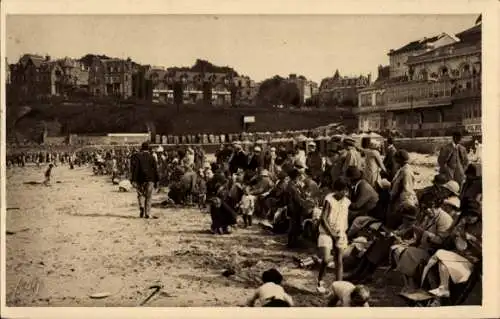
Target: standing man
(453, 159)
(144, 172)
(238, 158)
(314, 162)
(389, 161)
(296, 206)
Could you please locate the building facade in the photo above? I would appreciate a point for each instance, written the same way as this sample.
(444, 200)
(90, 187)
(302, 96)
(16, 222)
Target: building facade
(399, 57)
(76, 74)
(37, 76)
(218, 88)
(341, 90)
(111, 77)
(307, 88)
(442, 92)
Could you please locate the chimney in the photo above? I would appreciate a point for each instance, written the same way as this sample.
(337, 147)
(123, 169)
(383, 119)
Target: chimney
(369, 78)
(47, 58)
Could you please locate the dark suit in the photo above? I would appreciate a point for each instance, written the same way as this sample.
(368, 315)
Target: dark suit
(390, 162)
(364, 199)
(296, 208)
(144, 171)
(237, 160)
(452, 162)
(254, 162)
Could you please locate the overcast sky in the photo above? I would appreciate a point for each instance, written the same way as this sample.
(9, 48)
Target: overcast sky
(260, 46)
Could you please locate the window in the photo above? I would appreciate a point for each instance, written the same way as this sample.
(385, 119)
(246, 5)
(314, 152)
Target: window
(444, 71)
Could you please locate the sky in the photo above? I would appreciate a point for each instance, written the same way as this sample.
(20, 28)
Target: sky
(259, 46)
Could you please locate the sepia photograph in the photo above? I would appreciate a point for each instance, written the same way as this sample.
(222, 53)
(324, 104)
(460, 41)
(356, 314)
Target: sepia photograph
(243, 160)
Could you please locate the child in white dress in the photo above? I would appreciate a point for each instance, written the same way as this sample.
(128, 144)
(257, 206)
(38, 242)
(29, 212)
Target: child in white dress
(247, 206)
(333, 230)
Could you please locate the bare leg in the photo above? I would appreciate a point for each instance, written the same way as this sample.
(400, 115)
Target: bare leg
(444, 277)
(339, 267)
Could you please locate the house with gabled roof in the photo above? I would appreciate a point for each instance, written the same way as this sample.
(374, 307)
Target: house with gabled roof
(398, 57)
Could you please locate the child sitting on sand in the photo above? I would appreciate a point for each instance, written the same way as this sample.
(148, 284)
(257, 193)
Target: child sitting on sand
(271, 293)
(345, 294)
(247, 206)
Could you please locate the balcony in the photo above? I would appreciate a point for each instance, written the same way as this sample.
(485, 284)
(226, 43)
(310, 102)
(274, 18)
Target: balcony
(445, 52)
(424, 94)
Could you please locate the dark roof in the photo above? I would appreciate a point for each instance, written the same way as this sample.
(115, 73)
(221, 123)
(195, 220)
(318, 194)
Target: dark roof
(475, 29)
(36, 59)
(415, 45)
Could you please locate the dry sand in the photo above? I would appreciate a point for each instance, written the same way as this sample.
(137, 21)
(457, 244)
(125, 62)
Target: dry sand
(81, 236)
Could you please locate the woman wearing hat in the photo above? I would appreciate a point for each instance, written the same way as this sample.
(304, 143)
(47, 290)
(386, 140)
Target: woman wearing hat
(351, 156)
(402, 189)
(435, 193)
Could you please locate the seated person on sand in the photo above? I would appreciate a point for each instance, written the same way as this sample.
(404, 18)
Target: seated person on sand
(463, 253)
(363, 196)
(223, 216)
(276, 197)
(261, 190)
(271, 293)
(428, 236)
(434, 192)
(345, 294)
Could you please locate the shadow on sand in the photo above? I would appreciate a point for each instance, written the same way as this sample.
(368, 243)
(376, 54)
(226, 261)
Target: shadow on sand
(106, 215)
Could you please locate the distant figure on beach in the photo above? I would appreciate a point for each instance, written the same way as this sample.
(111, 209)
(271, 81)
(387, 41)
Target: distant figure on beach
(48, 175)
(145, 178)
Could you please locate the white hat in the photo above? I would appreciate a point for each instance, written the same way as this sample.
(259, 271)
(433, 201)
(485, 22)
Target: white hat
(311, 143)
(453, 187)
(257, 149)
(452, 201)
(385, 184)
(159, 149)
(264, 172)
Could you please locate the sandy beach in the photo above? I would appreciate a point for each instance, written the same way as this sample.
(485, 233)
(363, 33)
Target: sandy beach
(81, 236)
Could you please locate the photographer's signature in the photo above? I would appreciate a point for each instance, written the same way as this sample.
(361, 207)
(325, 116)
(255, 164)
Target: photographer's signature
(26, 289)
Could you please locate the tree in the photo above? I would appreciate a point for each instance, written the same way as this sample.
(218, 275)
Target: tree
(234, 93)
(178, 93)
(290, 94)
(207, 92)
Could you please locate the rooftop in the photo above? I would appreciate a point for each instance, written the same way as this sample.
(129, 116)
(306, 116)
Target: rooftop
(421, 44)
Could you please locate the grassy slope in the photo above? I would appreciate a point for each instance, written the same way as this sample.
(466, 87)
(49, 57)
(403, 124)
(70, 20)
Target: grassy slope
(79, 118)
